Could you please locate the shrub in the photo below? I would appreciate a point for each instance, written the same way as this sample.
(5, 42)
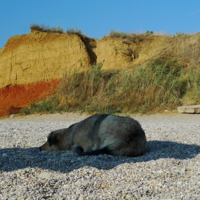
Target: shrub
(136, 38)
(74, 31)
(45, 106)
(157, 86)
(192, 77)
(44, 28)
(180, 34)
(149, 32)
(121, 35)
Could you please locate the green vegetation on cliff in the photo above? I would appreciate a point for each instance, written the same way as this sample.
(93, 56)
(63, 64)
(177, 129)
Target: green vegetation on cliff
(157, 86)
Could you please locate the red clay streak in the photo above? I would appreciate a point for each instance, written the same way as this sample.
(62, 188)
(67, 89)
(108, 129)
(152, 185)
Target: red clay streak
(13, 97)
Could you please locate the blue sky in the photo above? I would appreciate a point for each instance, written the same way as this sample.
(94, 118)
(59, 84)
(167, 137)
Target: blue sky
(96, 18)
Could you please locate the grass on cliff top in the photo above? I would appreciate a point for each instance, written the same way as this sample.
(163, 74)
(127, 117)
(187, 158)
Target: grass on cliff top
(44, 28)
(131, 37)
(157, 86)
(57, 29)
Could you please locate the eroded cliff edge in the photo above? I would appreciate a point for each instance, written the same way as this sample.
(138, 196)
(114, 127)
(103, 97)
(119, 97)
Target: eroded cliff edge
(42, 56)
(32, 65)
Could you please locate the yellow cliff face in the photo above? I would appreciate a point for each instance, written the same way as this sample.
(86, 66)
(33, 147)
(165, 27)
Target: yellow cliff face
(115, 53)
(118, 53)
(40, 56)
(32, 65)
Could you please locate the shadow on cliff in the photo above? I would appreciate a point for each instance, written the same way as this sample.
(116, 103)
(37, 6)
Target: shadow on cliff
(64, 161)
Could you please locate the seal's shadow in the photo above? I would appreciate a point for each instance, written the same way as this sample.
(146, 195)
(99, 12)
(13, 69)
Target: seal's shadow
(64, 161)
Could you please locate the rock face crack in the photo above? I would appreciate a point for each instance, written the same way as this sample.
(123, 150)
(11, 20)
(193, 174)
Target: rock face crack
(10, 73)
(90, 44)
(11, 69)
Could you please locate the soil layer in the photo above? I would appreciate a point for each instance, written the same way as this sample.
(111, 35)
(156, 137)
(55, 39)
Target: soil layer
(14, 97)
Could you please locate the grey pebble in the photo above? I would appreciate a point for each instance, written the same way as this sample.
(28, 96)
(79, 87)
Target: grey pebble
(170, 169)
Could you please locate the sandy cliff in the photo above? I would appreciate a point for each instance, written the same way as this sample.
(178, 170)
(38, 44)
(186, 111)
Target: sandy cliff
(123, 53)
(43, 58)
(40, 56)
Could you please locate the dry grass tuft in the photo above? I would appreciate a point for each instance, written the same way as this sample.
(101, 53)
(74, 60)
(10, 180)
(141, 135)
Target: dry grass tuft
(44, 28)
(151, 88)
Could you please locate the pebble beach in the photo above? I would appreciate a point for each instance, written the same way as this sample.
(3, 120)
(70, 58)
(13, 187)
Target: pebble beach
(170, 168)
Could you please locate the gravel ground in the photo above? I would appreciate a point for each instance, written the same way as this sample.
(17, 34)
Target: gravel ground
(170, 169)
